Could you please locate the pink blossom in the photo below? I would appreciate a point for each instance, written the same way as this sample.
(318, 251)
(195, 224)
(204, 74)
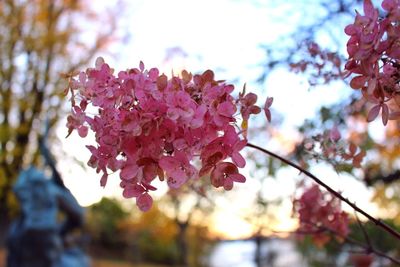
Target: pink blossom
(223, 113)
(149, 126)
(144, 202)
(132, 189)
(248, 106)
(178, 169)
(317, 211)
(76, 121)
(374, 54)
(225, 174)
(233, 145)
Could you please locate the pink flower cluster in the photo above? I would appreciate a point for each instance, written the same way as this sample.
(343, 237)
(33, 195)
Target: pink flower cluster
(148, 126)
(374, 54)
(320, 214)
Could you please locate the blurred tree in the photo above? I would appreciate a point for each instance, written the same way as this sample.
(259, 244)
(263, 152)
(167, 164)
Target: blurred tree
(187, 204)
(150, 237)
(319, 256)
(103, 222)
(261, 217)
(161, 238)
(39, 40)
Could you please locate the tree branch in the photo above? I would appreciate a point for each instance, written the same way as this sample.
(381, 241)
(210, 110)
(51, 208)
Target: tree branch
(386, 179)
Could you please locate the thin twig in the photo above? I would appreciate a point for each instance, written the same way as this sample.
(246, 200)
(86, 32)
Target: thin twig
(377, 222)
(364, 232)
(368, 248)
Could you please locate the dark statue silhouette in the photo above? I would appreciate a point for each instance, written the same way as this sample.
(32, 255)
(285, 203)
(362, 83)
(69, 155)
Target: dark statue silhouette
(37, 238)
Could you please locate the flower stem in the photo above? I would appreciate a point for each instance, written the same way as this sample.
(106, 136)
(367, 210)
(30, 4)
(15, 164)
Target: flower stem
(377, 222)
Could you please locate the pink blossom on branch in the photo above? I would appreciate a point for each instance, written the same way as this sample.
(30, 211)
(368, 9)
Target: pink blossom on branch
(374, 57)
(320, 210)
(148, 126)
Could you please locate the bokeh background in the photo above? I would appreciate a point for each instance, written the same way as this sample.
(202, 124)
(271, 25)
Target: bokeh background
(265, 44)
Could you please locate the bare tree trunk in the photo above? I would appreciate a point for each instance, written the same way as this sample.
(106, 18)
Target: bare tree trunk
(182, 243)
(258, 256)
(4, 223)
(5, 215)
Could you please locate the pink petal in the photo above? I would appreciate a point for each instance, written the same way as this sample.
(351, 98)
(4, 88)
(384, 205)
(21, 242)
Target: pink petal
(176, 182)
(205, 169)
(388, 4)
(198, 117)
(350, 29)
(83, 131)
(129, 193)
(129, 171)
(358, 82)
(141, 66)
(254, 110)
(350, 65)
(352, 49)
(179, 144)
(167, 163)
(173, 113)
(99, 63)
(385, 114)
(238, 178)
(371, 85)
(267, 105)
(149, 187)
(228, 88)
(144, 202)
(82, 77)
(230, 135)
(268, 114)
(369, 8)
(226, 109)
(181, 157)
(92, 149)
(373, 113)
(103, 180)
(228, 184)
(182, 99)
(240, 145)
(153, 74)
(238, 160)
(217, 177)
(251, 98)
(268, 102)
(132, 191)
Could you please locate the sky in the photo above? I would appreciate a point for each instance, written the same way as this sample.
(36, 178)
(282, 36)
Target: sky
(225, 36)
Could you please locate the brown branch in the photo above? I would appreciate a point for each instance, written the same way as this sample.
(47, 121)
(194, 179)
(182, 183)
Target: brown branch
(377, 222)
(386, 179)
